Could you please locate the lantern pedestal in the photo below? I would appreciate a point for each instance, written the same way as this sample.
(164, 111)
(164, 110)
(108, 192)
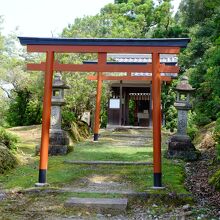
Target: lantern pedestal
(59, 142)
(180, 145)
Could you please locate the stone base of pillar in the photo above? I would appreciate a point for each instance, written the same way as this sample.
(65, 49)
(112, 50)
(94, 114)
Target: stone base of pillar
(181, 147)
(58, 142)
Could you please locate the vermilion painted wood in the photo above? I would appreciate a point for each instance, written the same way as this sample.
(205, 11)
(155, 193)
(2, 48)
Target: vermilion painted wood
(92, 67)
(107, 49)
(169, 69)
(129, 78)
(46, 111)
(155, 68)
(102, 67)
(102, 57)
(156, 97)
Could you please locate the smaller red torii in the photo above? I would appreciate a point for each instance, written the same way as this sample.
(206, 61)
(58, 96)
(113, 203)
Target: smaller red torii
(155, 47)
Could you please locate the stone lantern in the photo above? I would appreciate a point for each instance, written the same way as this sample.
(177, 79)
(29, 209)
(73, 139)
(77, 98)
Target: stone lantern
(180, 145)
(58, 137)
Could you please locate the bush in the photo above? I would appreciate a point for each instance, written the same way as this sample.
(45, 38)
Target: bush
(8, 139)
(215, 180)
(218, 151)
(171, 118)
(217, 131)
(202, 119)
(79, 131)
(7, 159)
(67, 118)
(217, 137)
(131, 106)
(192, 129)
(24, 109)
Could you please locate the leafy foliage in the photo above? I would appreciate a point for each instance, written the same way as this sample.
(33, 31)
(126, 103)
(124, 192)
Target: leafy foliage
(7, 159)
(168, 97)
(201, 59)
(217, 136)
(192, 128)
(20, 91)
(8, 139)
(215, 180)
(114, 22)
(24, 109)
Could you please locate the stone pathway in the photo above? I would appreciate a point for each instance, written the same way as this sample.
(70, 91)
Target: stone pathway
(100, 184)
(109, 183)
(49, 205)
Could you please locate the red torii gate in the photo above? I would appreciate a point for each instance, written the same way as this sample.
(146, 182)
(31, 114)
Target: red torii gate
(50, 46)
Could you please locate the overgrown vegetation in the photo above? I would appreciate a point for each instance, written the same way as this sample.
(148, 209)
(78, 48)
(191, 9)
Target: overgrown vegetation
(217, 137)
(8, 143)
(215, 180)
(8, 139)
(7, 159)
(78, 131)
(201, 59)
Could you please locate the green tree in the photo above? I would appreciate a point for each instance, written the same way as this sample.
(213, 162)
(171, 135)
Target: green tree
(201, 59)
(115, 21)
(20, 91)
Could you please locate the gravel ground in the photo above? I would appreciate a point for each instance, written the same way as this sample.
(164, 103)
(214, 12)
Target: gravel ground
(197, 176)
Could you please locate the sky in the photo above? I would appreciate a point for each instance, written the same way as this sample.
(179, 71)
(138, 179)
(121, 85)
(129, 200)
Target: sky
(47, 18)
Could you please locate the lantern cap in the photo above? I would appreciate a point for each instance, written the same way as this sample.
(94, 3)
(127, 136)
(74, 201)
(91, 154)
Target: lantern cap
(184, 85)
(58, 83)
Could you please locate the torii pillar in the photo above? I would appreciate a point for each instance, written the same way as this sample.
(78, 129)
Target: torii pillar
(156, 99)
(102, 58)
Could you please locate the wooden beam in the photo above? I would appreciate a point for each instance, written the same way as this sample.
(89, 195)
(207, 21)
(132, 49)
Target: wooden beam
(106, 49)
(102, 67)
(36, 66)
(92, 67)
(129, 78)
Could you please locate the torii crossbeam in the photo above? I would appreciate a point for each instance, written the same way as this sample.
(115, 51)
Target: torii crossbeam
(102, 47)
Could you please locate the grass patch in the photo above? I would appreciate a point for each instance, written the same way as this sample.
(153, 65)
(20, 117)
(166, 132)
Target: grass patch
(60, 174)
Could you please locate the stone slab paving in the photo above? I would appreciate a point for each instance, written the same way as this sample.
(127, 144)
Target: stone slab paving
(107, 184)
(126, 136)
(102, 204)
(126, 192)
(122, 163)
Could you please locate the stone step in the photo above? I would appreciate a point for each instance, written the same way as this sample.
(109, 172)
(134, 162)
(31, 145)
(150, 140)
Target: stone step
(120, 163)
(127, 136)
(98, 204)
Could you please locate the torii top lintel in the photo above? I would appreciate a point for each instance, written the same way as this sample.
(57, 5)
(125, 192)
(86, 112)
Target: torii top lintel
(120, 45)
